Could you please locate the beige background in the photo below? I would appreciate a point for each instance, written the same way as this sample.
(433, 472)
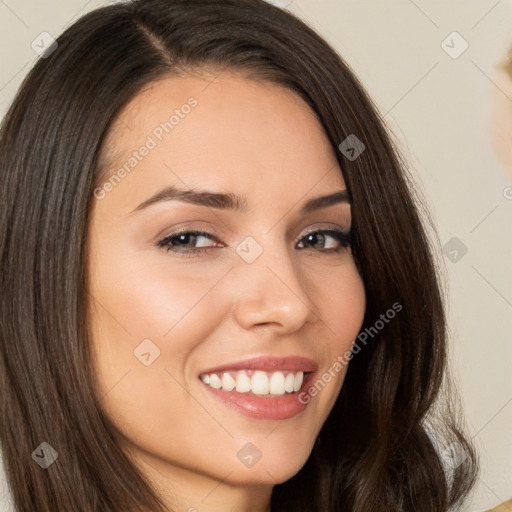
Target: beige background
(439, 108)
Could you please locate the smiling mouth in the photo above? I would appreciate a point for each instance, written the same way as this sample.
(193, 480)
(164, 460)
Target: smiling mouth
(256, 382)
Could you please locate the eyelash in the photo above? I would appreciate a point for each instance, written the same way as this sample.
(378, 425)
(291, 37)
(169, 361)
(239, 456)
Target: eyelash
(344, 238)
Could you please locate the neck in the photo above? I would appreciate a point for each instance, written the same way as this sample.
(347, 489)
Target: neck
(185, 490)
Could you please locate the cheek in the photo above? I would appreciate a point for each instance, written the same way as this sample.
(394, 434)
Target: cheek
(148, 295)
(168, 312)
(142, 305)
(341, 300)
(339, 295)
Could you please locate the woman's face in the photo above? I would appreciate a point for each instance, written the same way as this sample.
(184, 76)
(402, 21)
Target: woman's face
(261, 295)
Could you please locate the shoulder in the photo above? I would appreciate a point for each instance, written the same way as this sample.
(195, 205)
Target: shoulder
(503, 507)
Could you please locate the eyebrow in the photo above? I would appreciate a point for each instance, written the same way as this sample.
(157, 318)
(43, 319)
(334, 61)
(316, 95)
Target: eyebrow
(229, 201)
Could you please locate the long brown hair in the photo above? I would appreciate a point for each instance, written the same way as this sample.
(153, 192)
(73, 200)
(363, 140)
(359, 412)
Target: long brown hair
(379, 449)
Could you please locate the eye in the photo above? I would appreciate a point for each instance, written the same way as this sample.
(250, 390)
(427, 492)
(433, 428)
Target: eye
(327, 240)
(189, 242)
(192, 243)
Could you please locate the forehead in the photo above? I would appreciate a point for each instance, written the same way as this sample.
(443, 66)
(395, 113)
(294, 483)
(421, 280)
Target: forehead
(222, 127)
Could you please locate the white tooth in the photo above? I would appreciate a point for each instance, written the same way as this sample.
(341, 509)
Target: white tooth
(259, 383)
(205, 378)
(277, 383)
(243, 382)
(215, 382)
(228, 383)
(299, 376)
(288, 383)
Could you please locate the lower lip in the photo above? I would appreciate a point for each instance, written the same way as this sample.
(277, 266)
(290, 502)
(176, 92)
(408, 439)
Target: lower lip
(266, 407)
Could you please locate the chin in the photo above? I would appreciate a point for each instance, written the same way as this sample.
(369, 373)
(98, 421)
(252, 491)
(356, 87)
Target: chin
(266, 474)
(276, 469)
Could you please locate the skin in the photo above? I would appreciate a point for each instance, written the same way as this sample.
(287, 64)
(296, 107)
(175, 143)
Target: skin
(264, 143)
(502, 117)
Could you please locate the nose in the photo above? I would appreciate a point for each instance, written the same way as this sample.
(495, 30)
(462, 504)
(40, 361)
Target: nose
(271, 291)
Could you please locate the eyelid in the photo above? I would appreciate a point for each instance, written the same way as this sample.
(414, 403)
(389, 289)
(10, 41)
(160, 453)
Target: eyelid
(326, 230)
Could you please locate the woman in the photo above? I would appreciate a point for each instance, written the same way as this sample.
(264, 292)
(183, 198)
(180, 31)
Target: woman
(502, 113)
(217, 290)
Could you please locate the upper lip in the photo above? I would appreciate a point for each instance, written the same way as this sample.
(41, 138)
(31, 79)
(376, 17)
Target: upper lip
(268, 363)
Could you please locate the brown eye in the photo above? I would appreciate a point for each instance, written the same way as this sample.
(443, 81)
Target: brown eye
(193, 242)
(327, 240)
